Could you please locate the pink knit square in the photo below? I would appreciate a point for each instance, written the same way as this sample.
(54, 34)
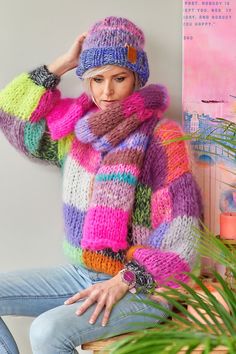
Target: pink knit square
(62, 118)
(85, 155)
(165, 267)
(161, 207)
(105, 227)
(48, 100)
(132, 104)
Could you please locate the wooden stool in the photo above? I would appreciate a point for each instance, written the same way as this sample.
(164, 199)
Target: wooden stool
(99, 345)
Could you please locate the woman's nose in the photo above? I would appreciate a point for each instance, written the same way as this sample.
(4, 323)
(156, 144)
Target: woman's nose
(108, 89)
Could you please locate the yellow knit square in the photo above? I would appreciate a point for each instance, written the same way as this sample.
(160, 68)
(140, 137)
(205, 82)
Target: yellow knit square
(21, 97)
(64, 146)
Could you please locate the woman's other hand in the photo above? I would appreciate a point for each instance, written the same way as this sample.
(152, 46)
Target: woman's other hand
(157, 296)
(106, 294)
(68, 60)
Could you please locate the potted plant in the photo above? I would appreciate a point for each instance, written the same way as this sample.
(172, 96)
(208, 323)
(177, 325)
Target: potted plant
(210, 323)
(206, 315)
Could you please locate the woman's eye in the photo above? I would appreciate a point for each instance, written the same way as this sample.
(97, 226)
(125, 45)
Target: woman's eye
(120, 79)
(97, 79)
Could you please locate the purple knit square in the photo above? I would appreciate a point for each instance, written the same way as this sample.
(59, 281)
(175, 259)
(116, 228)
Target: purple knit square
(185, 195)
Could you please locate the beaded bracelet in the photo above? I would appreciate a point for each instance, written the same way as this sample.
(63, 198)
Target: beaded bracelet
(43, 77)
(144, 280)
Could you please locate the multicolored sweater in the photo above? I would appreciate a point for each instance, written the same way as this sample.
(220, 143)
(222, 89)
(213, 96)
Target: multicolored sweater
(127, 195)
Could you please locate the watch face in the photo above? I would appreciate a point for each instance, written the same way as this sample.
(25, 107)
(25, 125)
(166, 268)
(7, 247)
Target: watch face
(129, 276)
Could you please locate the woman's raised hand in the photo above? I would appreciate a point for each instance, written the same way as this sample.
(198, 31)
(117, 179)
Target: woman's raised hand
(68, 60)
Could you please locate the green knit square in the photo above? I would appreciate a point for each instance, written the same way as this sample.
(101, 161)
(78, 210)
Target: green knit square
(73, 253)
(47, 149)
(142, 206)
(33, 134)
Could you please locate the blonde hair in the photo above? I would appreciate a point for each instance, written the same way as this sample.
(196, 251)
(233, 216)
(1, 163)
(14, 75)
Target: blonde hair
(91, 73)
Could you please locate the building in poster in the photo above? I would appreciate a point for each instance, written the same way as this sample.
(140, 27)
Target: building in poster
(209, 92)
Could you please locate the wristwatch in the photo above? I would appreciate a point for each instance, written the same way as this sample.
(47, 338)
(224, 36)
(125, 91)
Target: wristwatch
(129, 278)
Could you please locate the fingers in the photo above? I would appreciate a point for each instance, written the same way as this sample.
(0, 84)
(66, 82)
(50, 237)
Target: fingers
(108, 304)
(87, 303)
(157, 298)
(105, 294)
(77, 297)
(83, 35)
(75, 50)
(72, 299)
(79, 40)
(107, 314)
(157, 295)
(98, 310)
(102, 301)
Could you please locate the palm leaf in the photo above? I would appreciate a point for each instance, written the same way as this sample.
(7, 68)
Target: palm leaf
(216, 327)
(223, 134)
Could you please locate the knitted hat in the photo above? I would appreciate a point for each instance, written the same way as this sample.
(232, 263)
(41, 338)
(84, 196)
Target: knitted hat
(115, 41)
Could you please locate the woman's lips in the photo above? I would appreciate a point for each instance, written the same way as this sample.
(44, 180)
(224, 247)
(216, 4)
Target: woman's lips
(108, 103)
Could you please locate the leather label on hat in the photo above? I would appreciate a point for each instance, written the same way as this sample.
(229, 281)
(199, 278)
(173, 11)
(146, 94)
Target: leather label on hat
(131, 54)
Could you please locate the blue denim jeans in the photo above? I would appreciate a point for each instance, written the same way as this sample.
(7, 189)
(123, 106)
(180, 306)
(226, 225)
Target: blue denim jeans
(57, 329)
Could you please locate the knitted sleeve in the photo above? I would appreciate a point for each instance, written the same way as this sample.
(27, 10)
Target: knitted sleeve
(167, 210)
(31, 110)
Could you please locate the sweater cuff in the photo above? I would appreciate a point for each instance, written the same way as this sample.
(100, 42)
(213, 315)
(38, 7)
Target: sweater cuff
(43, 77)
(144, 280)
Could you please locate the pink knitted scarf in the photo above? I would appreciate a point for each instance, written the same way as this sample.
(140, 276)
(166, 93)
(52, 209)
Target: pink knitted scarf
(121, 133)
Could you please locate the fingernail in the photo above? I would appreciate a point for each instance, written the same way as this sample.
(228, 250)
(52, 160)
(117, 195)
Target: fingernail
(103, 324)
(66, 302)
(91, 322)
(78, 312)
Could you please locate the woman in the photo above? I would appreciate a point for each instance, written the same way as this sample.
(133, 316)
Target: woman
(129, 200)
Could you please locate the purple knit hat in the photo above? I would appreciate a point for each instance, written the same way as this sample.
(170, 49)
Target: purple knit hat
(115, 41)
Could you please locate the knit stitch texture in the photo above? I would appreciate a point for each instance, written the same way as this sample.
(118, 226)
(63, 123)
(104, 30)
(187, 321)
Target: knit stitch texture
(126, 194)
(115, 41)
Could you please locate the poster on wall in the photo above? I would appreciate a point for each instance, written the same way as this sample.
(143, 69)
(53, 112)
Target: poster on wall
(209, 92)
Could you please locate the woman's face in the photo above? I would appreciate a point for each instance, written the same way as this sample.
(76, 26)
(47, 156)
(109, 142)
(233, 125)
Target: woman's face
(113, 85)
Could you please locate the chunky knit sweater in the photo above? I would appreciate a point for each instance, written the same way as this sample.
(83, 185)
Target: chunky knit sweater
(127, 195)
